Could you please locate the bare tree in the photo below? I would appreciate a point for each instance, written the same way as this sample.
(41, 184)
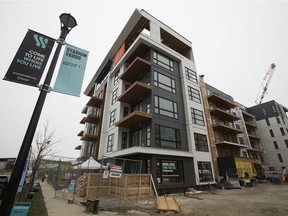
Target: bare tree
(44, 143)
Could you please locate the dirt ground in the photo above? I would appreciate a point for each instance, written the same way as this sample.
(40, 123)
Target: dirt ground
(263, 200)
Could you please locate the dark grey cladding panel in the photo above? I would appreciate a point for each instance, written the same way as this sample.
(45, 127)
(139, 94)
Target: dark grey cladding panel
(265, 110)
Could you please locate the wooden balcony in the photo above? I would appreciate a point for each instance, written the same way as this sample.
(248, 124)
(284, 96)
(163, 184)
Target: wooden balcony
(137, 68)
(223, 114)
(95, 101)
(135, 93)
(134, 119)
(216, 99)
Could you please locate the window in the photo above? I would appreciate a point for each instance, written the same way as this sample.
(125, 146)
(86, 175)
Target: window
(205, 171)
(114, 96)
(166, 107)
(191, 75)
(275, 145)
(286, 142)
(194, 94)
(110, 143)
(278, 120)
(280, 157)
(125, 111)
(112, 118)
(201, 142)
(282, 131)
(148, 136)
(167, 137)
(169, 171)
(197, 117)
(271, 133)
(116, 77)
(267, 122)
(164, 82)
(136, 138)
(124, 140)
(148, 105)
(163, 61)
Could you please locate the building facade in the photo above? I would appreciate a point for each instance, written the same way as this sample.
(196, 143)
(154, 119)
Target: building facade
(146, 106)
(234, 138)
(272, 122)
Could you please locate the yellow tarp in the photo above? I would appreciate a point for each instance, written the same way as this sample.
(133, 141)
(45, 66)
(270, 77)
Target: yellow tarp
(244, 166)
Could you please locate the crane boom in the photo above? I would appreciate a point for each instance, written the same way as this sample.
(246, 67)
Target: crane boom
(267, 78)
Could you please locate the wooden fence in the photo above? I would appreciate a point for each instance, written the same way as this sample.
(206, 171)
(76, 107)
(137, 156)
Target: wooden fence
(129, 186)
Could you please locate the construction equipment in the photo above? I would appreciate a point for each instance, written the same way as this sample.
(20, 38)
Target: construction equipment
(266, 80)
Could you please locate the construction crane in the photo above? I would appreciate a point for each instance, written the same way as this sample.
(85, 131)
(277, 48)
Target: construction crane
(266, 80)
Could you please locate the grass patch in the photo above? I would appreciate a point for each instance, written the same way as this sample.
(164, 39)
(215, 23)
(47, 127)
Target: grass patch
(38, 207)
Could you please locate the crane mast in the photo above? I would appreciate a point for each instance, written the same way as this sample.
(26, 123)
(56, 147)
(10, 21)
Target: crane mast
(266, 80)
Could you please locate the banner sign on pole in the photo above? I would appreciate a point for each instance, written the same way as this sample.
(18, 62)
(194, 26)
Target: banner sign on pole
(23, 178)
(20, 209)
(71, 73)
(30, 60)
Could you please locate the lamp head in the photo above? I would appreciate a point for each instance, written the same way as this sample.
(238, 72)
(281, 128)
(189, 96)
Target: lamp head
(67, 21)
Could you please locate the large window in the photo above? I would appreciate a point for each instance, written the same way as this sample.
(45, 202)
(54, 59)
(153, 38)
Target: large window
(205, 171)
(114, 96)
(194, 94)
(135, 138)
(201, 142)
(110, 143)
(164, 82)
(197, 117)
(169, 171)
(148, 135)
(112, 118)
(191, 75)
(163, 61)
(167, 137)
(166, 107)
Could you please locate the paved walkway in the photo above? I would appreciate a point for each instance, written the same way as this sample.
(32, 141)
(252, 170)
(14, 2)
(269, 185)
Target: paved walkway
(107, 206)
(58, 206)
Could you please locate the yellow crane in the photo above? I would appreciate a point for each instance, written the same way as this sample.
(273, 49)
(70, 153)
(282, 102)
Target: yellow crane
(266, 80)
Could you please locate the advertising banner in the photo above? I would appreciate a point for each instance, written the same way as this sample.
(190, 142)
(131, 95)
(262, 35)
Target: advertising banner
(30, 60)
(71, 73)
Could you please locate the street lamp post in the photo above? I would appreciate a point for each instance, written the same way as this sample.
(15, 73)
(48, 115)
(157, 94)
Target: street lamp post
(67, 23)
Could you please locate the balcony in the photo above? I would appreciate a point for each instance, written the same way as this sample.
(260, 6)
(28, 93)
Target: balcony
(223, 142)
(87, 137)
(224, 114)
(250, 124)
(253, 136)
(95, 101)
(255, 150)
(228, 128)
(135, 93)
(135, 70)
(78, 147)
(216, 99)
(134, 119)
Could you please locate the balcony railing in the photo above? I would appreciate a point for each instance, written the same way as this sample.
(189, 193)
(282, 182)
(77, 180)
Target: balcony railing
(227, 114)
(227, 127)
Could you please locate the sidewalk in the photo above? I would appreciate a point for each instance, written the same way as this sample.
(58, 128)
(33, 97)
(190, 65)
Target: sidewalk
(58, 206)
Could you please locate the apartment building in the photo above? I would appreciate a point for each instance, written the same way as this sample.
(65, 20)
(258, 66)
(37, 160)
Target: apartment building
(272, 122)
(234, 137)
(146, 105)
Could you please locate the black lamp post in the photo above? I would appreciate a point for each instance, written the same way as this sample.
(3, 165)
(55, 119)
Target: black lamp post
(67, 23)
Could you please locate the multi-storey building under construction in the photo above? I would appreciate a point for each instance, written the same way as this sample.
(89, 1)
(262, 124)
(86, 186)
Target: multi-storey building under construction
(146, 106)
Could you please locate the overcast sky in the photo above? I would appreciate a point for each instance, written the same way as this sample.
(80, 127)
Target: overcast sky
(233, 42)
